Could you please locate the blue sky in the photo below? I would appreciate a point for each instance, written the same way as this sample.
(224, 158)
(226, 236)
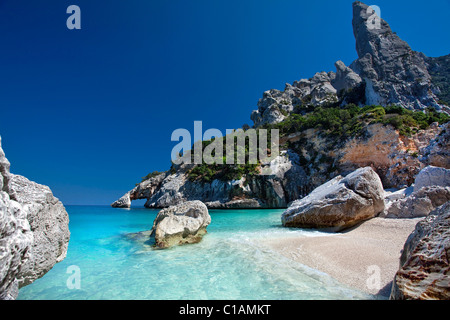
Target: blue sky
(89, 112)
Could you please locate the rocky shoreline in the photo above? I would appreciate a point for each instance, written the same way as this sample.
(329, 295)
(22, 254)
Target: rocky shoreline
(413, 244)
(383, 168)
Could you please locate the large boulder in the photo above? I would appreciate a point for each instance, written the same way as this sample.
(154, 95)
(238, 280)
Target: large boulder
(49, 223)
(34, 231)
(16, 238)
(340, 203)
(418, 204)
(424, 272)
(15, 243)
(181, 224)
(432, 176)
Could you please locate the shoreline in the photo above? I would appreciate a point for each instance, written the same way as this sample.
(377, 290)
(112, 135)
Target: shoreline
(354, 257)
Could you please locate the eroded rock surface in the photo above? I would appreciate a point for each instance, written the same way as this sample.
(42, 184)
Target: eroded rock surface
(338, 204)
(181, 224)
(424, 272)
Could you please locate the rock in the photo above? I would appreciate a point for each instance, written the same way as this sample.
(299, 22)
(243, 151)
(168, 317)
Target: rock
(15, 243)
(181, 224)
(424, 272)
(49, 223)
(34, 232)
(419, 204)
(339, 204)
(123, 202)
(392, 71)
(143, 190)
(437, 153)
(346, 78)
(432, 176)
(387, 70)
(16, 238)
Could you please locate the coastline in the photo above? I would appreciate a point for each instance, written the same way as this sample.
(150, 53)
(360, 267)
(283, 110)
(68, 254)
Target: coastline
(347, 256)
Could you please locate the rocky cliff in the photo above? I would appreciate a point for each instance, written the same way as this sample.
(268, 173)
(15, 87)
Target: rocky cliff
(34, 231)
(386, 72)
(323, 136)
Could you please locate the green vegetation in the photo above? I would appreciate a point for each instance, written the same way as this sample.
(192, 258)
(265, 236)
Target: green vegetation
(210, 172)
(151, 175)
(336, 123)
(349, 121)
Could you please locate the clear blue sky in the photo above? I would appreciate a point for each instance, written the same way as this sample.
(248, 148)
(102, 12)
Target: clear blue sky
(89, 112)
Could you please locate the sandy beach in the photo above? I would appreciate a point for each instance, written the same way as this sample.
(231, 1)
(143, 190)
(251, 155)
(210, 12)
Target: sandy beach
(356, 256)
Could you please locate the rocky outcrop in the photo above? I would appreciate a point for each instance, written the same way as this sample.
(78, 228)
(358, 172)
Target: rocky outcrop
(432, 176)
(387, 71)
(318, 90)
(424, 272)
(312, 160)
(143, 190)
(285, 183)
(182, 224)
(338, 204)
(49, 223)
(437, 152)
(33, 231)
(419, 204)
(346, 79)
(16, 237)
(392, 71)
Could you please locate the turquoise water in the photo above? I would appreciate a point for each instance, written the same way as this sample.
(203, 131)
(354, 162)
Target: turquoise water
(230, 263)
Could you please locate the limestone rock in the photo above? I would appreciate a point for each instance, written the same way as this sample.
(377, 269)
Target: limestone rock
(122, 202)
(143, 190)
(346, 78)
(49, 223)
(432, 176)
(419, 204)
(16, 238)
(424, 272)
(15, 243)
(392, 71)
(437, 152)
(181, 224)
(34, 232)
(339, 204)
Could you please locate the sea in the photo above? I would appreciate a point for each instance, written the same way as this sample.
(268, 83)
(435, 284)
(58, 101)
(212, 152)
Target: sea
(109, 258)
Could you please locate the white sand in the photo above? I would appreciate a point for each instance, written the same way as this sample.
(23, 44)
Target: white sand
(349, 257)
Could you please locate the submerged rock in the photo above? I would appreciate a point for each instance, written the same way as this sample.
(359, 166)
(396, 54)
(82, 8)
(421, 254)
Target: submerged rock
(340, 203)
(424, 272)
(181, 224)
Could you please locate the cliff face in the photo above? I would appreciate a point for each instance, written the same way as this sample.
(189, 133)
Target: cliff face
(34, 232)
(313, 160)
(386, 72)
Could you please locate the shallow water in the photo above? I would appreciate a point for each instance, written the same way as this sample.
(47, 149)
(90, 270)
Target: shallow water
(229, 263)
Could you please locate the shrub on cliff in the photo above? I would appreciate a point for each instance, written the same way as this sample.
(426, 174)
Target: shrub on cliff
(349, 120)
